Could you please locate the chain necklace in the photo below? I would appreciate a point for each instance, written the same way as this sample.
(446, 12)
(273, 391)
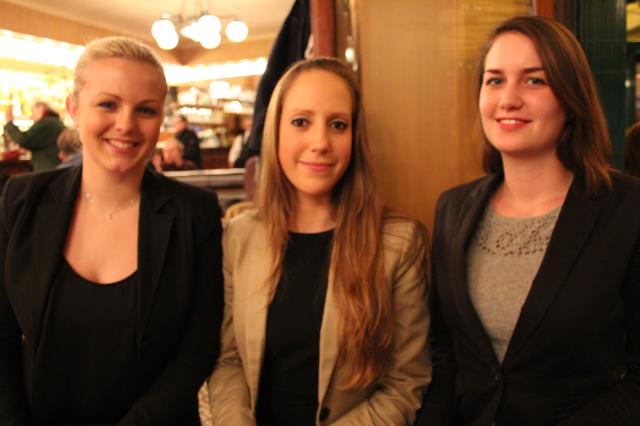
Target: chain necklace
(110, 213)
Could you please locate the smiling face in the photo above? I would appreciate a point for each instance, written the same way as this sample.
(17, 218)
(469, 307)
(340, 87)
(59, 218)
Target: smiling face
(118, 112)
(520, 114)
(315, 133)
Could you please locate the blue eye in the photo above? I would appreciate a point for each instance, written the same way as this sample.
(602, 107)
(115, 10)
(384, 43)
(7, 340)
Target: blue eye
(107, 104)
(494, 81)
(148, 111)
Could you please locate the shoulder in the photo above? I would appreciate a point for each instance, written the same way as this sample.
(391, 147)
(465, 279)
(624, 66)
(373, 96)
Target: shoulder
(404, 236)
(625, 184)
(458, 194)
(245, 226)
(30, 185)
(182, 198)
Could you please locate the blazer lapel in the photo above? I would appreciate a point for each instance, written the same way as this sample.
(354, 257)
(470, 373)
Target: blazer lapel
(153, 239)
(470, 214)
(328, 341)
(577, 217)
(51, 225)
(255, 298)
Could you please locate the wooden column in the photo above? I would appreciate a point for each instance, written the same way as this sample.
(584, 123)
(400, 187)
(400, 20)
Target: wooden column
(322, 27)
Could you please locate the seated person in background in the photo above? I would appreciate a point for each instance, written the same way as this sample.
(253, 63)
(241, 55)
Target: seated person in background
(240, 141)
(173, 157)
(632, 150)
(41, 137)
(189, 138)
(69, 148)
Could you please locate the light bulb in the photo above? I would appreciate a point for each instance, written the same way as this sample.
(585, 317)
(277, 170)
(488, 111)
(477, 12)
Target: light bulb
(210, 40)
(161, 27)
(209, 23)
(236, 31)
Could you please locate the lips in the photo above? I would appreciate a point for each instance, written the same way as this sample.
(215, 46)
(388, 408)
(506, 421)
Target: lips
(510, 123)
(318, 166)
(122, 145)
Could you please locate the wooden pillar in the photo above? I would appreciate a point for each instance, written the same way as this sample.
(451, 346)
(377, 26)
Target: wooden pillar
(322, 27)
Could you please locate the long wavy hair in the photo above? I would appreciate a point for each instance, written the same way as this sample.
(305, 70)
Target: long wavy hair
(362, 294)
(584, 147)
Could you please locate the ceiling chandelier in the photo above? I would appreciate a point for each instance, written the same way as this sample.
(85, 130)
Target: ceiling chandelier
(198, 25)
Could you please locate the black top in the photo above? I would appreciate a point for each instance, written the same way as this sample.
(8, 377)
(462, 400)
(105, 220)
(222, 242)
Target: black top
(84, 322)
(289, 380)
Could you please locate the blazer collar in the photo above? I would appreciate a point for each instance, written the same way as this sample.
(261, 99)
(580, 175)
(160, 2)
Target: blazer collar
(577, 217)
(154, 226)
(52, 219)
(470, 214)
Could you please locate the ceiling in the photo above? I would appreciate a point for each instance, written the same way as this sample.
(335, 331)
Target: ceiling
(264, 17)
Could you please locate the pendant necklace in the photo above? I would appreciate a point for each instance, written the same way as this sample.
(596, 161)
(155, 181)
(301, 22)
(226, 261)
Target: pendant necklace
(110, 213)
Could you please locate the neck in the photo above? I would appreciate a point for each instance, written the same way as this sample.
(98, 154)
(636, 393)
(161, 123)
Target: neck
(312, 215)
(111, 190)
(532, 187)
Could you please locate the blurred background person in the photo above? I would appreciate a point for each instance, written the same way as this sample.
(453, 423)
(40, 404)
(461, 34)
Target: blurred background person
(69, 148)
(632, 150)
(41, 137)
(173, 157)
(240, 141)
(189, 138)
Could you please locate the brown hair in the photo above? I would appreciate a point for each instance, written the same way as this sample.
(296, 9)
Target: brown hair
(113, 47)
(632, 150)
(362, 295)
(584, 147)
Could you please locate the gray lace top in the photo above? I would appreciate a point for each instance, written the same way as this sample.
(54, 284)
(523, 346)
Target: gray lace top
(502, 261)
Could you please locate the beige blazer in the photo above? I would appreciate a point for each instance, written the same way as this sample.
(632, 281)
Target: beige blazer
(233, 387)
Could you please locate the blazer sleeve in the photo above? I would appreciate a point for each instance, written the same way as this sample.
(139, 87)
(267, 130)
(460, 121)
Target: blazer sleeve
(438, 403)
(398, 393)
(173, 392)
(14, 409)
(228, 390)
(620, 405)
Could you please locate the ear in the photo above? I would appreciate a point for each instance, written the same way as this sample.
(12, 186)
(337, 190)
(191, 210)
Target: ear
(72, 109)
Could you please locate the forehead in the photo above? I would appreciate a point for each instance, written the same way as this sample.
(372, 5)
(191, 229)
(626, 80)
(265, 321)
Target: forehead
(318, 88)
(117, 74)
(512, 49)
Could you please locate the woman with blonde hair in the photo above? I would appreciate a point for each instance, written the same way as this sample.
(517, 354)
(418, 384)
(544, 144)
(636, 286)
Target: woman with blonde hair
(325, 320)
(111, 286)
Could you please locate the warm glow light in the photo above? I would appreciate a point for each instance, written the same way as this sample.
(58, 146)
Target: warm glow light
(164, 32)
(210, 40)
(209, 23)
(179, 74)
(31, 49)
(236, 31)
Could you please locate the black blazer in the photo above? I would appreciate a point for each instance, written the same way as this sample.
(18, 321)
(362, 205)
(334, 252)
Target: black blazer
(567, 358)
(180, 296)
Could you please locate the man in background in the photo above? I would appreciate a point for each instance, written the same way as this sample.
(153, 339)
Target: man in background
(41, 137)
(69, 148)
(172, 157)
(189, 139)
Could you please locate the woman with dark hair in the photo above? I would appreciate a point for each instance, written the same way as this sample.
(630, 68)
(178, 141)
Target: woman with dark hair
(632, 150)
(325, 320)
(536, 266)
(41, 137)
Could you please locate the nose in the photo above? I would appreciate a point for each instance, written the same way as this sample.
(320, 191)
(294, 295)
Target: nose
(125, 120)
(511, 98)
(320, 139)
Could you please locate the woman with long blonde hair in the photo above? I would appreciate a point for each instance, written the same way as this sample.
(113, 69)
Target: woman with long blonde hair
(325, 320)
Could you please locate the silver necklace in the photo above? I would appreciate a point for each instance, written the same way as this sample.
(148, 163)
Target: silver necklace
(110, 213)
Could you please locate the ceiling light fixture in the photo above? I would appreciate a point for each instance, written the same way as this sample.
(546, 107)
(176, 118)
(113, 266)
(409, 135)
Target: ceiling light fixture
(198, 25)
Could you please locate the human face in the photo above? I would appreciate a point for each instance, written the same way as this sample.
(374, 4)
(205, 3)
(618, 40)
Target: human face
(172, 153)
(118, 113)
(521, 116)
(315, 130)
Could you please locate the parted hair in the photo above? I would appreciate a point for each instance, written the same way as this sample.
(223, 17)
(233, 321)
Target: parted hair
(362, 295)
(113, 47)
(584, 147)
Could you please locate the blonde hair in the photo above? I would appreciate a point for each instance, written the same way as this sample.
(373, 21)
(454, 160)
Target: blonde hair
(362, 294)
(114, 47)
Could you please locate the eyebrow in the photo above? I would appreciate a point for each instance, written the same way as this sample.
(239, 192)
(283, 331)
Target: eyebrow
(308, 111)
(525, 71)
(112, 95)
